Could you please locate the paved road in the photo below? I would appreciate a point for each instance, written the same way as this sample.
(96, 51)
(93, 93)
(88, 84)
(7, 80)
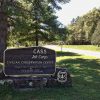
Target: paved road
(82, 52)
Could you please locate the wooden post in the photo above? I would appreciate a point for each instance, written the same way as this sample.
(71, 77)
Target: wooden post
(36, 39)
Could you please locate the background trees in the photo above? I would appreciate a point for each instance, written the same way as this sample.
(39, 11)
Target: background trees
(30, 21)
(82, 28)
(96, 35)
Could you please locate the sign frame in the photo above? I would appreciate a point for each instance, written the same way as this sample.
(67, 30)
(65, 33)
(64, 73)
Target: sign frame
(28, 75)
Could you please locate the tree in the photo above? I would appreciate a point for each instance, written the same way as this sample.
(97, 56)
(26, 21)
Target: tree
(96, 35)
(82, 28)
(6, 7)
(14, 11)
(43, 23)
(3, 28)
(77, 30)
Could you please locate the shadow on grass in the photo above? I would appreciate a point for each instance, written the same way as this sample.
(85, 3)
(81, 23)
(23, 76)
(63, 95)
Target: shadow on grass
(85, 74)
(86, 82)
(59, 54)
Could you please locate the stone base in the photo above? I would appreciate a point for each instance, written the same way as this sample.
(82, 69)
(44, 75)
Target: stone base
(61, 78)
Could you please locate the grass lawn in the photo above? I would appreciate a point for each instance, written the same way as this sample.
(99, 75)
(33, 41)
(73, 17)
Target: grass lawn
(85, 72)
(1, 65)
(84, 47)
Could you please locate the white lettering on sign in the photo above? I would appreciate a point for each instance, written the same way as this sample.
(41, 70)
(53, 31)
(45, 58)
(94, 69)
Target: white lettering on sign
(39, 57)
(39, 51)
(34, 56)
(42, 57)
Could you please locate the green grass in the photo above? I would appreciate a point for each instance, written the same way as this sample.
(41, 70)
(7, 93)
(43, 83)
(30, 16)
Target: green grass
(85, 72)
(1, 66)
(84, 47)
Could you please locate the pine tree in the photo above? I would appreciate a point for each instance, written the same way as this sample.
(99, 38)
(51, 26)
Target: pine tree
(30, 14)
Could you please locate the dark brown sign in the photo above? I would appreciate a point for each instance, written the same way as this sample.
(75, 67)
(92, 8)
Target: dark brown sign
(29, 61)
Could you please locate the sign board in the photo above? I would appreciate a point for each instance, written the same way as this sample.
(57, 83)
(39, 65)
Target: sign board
(29, 61)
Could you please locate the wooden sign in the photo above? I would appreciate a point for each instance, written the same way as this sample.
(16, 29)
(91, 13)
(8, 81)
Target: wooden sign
(29, 61)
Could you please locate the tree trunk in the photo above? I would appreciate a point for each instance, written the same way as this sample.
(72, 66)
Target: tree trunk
(3, 31)
(37, 40)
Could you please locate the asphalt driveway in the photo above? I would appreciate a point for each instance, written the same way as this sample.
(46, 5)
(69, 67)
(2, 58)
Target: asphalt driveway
(82, 52)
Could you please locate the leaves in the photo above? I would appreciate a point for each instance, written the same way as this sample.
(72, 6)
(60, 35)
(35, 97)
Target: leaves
(96, 36)
(35, 20)
(83, 27)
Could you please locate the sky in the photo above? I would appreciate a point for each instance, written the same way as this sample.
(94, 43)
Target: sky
(76, 8)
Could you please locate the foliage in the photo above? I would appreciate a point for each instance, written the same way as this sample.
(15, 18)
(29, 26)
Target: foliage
(39, 22)
(96, 36)
(82, 28)
(27, 21)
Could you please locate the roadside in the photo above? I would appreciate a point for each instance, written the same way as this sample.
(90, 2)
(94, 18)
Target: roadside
(84, 47)
(82, 52)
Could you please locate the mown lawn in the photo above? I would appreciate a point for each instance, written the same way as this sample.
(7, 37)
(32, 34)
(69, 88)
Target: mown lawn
(85, 72)
(84, 47)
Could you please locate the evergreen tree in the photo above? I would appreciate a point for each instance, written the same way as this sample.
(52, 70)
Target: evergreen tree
(30, 14)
